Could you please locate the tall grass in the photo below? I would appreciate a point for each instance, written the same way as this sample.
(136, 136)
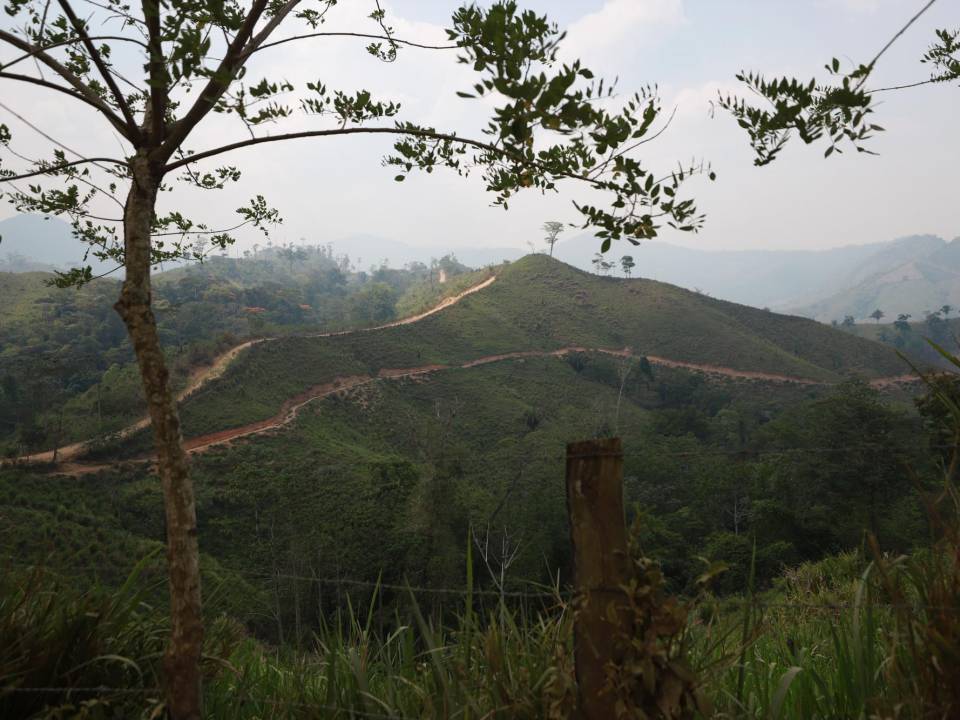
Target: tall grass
(58, 647)
(843, 638)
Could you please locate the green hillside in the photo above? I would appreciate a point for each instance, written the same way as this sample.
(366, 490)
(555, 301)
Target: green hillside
(383, 481)
(541, 304)
(19, 293)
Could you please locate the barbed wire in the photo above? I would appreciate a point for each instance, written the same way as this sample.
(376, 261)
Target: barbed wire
(92, 689)
(651, 451)
(244, 695)
(566, 594)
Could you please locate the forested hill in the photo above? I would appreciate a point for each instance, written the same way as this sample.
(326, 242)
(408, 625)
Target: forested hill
(87, 385)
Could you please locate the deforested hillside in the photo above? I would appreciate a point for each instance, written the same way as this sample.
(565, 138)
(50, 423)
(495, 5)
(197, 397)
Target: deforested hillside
(539, 305)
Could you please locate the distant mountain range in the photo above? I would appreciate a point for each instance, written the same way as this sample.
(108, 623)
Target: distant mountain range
(909, 275)
(31, 242)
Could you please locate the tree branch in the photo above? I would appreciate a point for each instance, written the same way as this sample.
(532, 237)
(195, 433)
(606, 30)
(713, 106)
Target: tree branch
(71, 41)
(333, 131)
(184, 233)
(88, 95)
(116, 121)
(121, 101)
(268, 29)
(900, 32)
(408, 43)
(219, 82)
(61, 166)
(157, 71)
(904, 87)
(60, 145)
(602, 166)
(428, 134)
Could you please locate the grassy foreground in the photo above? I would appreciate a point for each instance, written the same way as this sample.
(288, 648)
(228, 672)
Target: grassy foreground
(841, 638)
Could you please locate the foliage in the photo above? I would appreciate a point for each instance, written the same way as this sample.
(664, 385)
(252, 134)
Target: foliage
(654, 678)
(551, 122)
(838, 110)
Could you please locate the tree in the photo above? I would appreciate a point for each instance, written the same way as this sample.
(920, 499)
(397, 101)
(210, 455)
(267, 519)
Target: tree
(902, 323)
(627, 263)
(553, 229)
(849, 321)
(597, 262)
(552, 124)
(374, 304)
(946, 310)
(877, 315)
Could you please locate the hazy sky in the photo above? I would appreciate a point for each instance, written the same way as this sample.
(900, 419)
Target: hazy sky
(330, 188)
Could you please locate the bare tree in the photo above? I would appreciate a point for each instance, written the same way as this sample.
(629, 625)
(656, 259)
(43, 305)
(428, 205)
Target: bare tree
(497, 557)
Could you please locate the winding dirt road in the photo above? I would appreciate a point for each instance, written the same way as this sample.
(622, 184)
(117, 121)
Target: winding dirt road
(201, 376)
(66, 457)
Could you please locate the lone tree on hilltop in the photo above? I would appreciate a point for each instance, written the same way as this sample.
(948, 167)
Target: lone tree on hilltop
(155, 71)
(627, 264)
(553, 229)
(877, 315)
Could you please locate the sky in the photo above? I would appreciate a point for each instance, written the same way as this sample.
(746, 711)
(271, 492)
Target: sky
(332, 188)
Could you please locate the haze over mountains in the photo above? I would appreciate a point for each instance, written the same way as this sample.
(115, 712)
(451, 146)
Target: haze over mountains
(913, 275)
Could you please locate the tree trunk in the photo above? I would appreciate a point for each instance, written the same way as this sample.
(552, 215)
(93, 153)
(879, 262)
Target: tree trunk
(182, 658)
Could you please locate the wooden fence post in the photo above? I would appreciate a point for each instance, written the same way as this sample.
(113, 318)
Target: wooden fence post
(601, 558)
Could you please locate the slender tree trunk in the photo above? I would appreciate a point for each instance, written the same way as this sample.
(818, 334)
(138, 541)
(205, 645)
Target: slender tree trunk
(56, 442)
(182, 658)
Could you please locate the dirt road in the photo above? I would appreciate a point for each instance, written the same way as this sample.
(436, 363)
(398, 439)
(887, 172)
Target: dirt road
(66, 457)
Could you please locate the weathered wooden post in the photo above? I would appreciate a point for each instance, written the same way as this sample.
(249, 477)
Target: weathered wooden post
(598, 534)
